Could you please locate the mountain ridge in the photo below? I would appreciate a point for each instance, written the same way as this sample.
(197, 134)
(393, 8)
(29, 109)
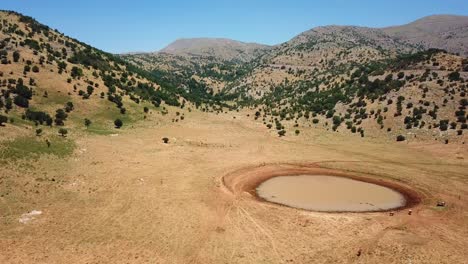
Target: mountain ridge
(335, 74)
(402, 32)
(222, 48)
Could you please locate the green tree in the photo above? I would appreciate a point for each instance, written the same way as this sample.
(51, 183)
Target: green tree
(69, 107)
(21, 101)
(16, 56)
(76, 72)
(62, 66)
(3, 119)
(63, 132)
(60, 117)
(454, 76)
(90, 89)
(118, 123)
(8, 103)
(87, 122)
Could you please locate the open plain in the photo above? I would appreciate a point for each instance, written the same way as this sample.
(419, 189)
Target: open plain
(130, 198)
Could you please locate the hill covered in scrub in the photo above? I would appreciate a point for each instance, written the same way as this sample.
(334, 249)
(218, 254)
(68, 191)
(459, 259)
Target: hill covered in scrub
(216, 48)
(368, 81)
(50, 80)
(356, 80)
(422, 94)
(439, 31)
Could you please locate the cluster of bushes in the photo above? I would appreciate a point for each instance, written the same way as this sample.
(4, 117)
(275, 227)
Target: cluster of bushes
(39, 117)
(23, 94)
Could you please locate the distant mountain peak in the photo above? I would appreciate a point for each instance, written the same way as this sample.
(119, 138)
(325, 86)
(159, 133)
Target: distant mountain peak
(221, 48)
(448, 32)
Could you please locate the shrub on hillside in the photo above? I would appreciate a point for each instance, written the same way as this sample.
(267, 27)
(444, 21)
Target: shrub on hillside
(90, 89)
(60, 117)
(3, 119)
(63, 132)
(69, 107)
(38, 117)
(16, 56)
(454, 76)
(400, 138)
(76, 72)
(118, 123)
(87, 122)
(21, 101)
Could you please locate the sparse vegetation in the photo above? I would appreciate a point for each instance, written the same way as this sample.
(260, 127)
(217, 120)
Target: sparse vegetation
(63, 132)
(118, 123)
(3, 119)
(333, 100)
(87, 122)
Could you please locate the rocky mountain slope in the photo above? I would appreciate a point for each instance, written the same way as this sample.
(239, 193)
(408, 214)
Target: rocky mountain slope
(210, 62)
(319, 51)
(439, 31)
(369, 81)
(348, 79)
(419, 95)
(217, 48)
(50, 80)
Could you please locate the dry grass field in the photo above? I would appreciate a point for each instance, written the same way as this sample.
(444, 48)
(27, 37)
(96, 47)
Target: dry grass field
(110, 190)
(129, 198)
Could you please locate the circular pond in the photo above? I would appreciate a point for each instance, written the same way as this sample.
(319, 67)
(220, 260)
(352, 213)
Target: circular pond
(329, 194)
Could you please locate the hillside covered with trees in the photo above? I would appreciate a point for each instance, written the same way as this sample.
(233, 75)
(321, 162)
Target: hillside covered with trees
(347, 79)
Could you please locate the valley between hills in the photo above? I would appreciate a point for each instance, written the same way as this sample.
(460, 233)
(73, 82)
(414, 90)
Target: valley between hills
(154, 157)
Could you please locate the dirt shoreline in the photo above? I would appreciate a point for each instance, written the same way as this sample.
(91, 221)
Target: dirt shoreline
(247, 179)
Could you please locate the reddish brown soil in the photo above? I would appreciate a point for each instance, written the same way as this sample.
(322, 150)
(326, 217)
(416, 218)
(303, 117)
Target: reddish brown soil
(249, 178)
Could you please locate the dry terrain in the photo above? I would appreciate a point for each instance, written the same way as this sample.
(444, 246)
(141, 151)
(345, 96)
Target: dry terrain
(85, 176)
(129, 198)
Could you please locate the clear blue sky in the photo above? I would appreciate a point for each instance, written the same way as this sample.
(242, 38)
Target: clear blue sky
(147, 25)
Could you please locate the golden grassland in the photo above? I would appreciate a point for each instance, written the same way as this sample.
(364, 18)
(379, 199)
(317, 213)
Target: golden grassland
(126, 197)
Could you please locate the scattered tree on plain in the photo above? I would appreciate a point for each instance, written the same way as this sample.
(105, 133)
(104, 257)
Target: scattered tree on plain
(118, 123)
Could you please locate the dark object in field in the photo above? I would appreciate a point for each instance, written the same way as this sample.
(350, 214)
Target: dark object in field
(165, 140)
(440, 204)
(48, 143)
(118, 123)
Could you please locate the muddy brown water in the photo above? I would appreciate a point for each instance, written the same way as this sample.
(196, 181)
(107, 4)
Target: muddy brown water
(329, 194)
